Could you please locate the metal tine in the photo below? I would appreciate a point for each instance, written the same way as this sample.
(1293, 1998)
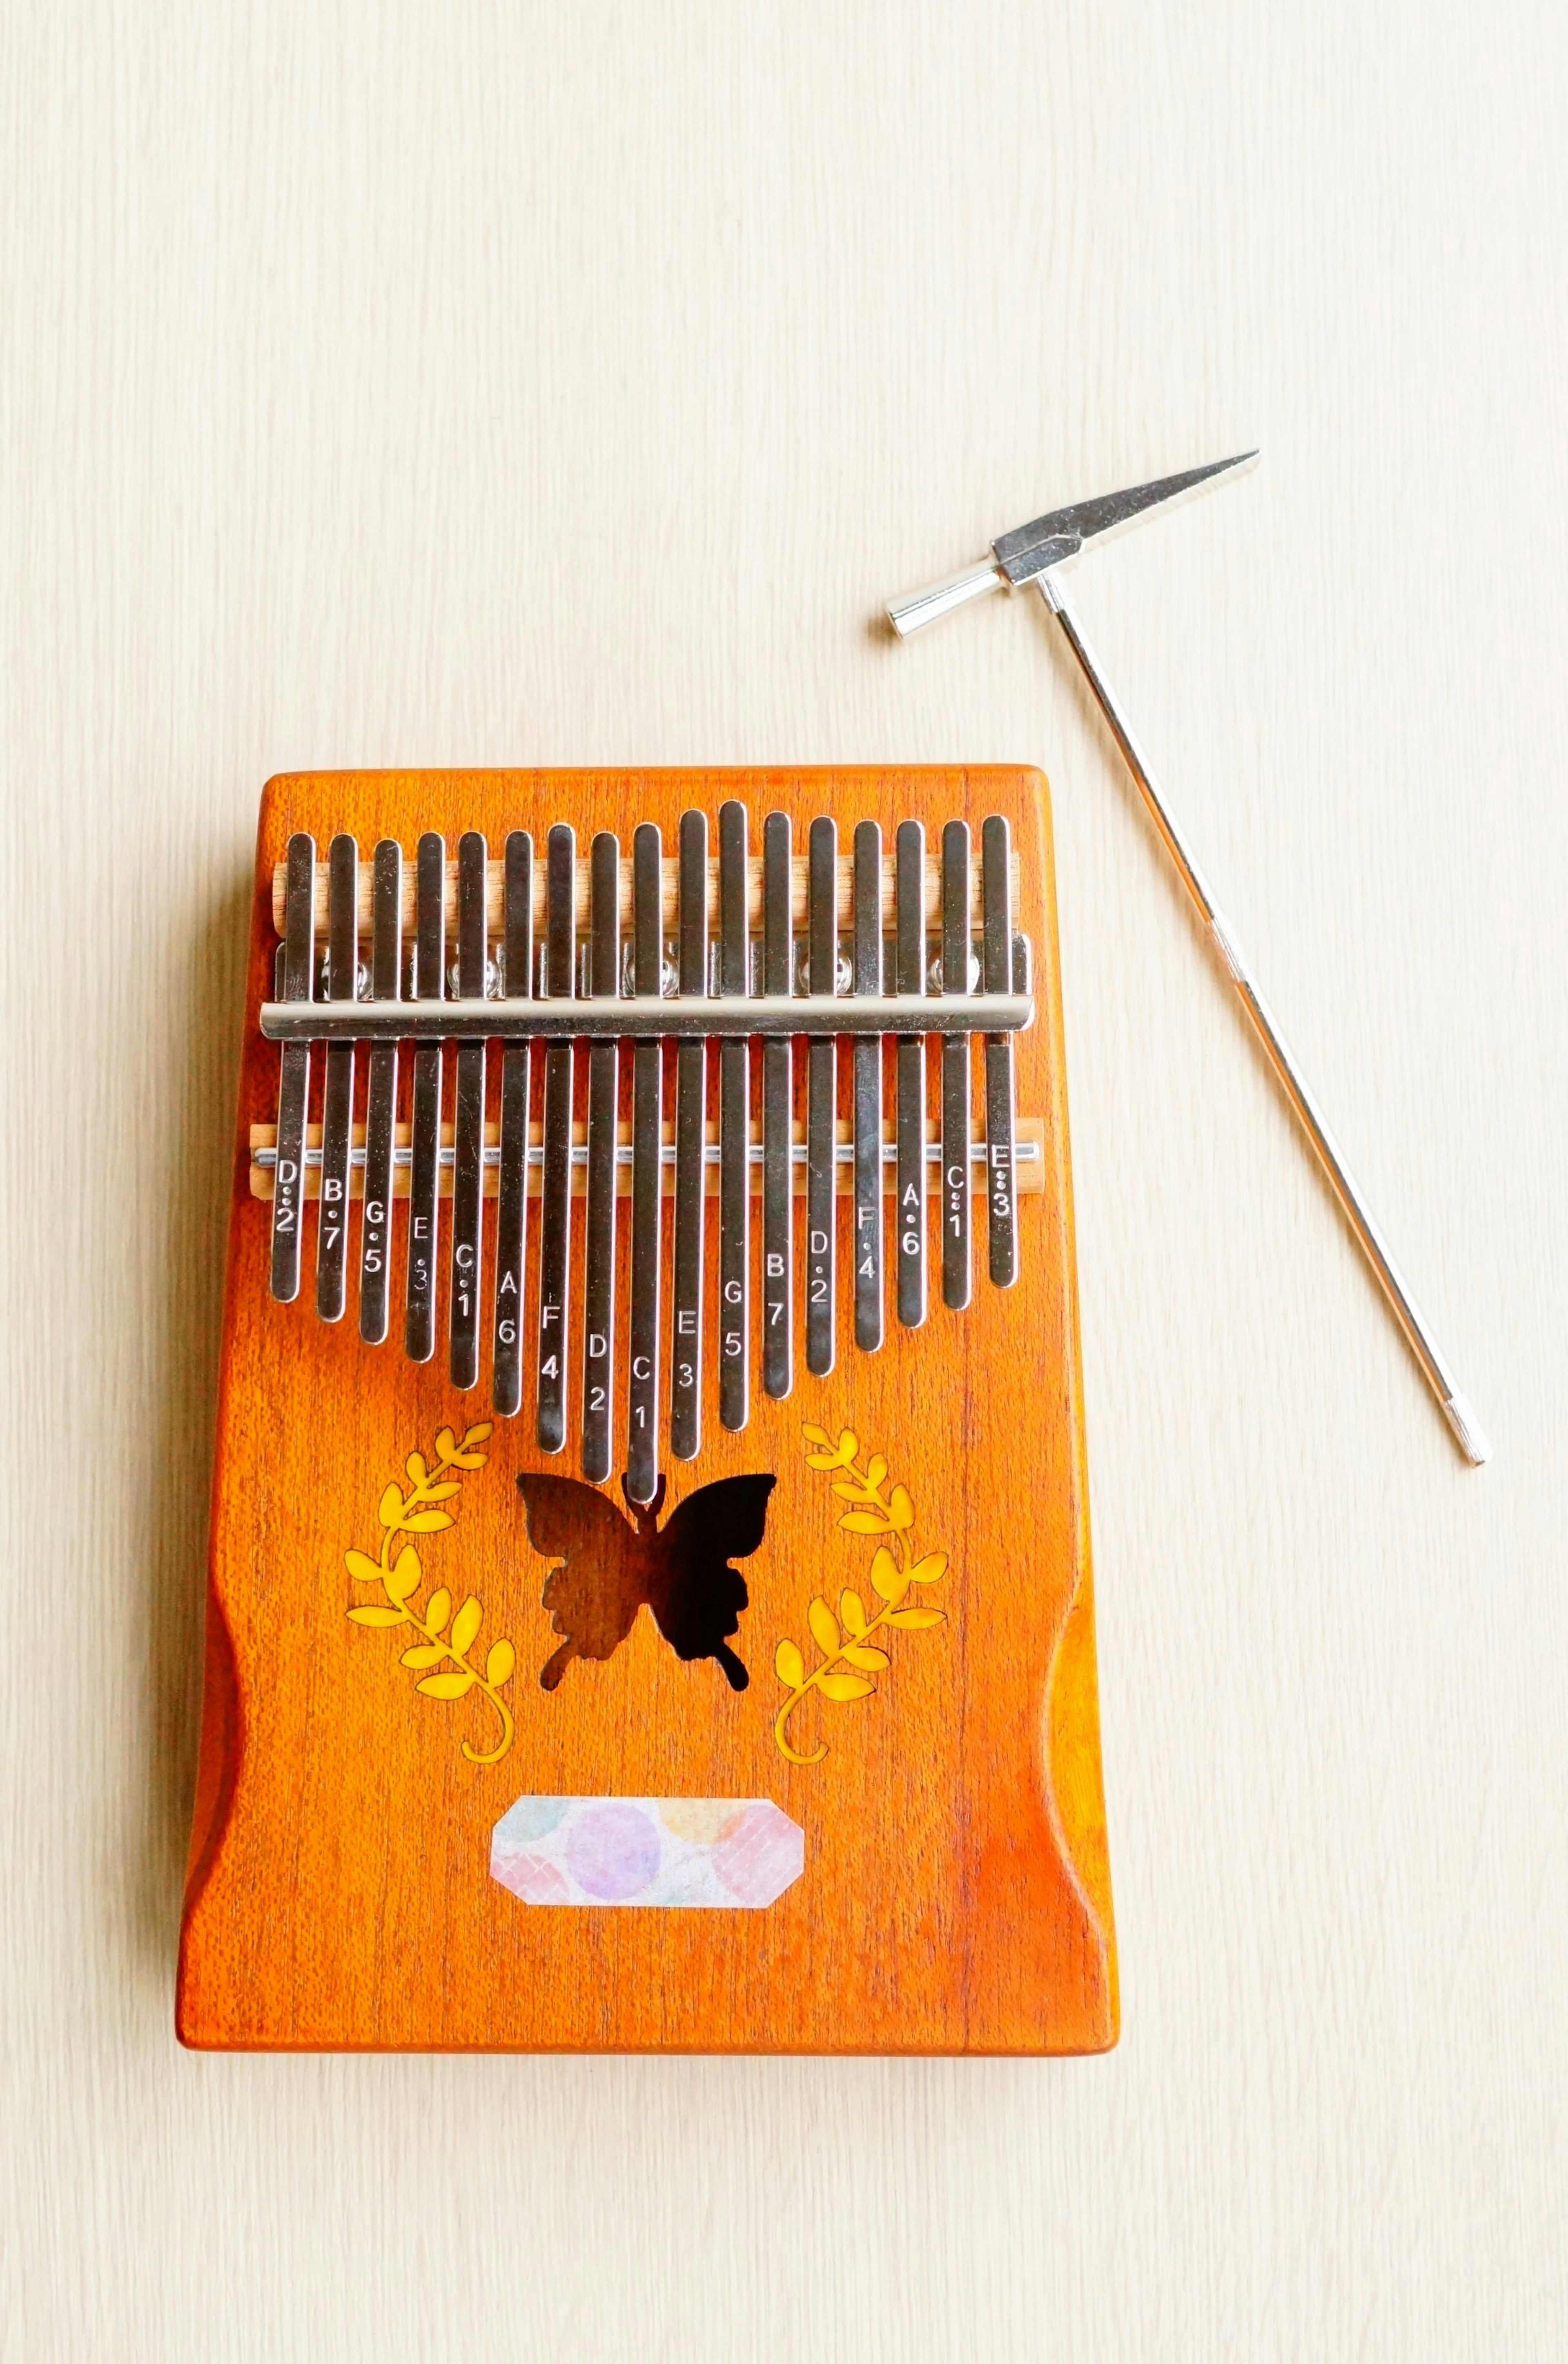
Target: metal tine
(955, 1069)
(512, 1202)
(424, 1200)
(691, 1103)
(381, 1096)
(909, 1231)
(998, 977)
(734, 1129)
(821, 1099)
(294, 1075)
(555, 1220)
(778, 1109)
(337, 1100)
(647, 1167)
(468, 1127)
(868, 1092)
(603, 1095)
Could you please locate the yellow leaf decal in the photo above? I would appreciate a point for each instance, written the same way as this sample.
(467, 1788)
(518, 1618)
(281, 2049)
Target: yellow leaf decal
(451, 1685)
(837, 1686)
(413, 1510)
(401, 1578)
(824, 1625)
(888, 1579)
(853, 1651)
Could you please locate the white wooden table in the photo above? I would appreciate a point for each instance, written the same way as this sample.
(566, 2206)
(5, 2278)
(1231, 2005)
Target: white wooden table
(409, 384)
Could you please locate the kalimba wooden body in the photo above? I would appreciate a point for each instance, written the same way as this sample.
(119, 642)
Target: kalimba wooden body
(890, 1838)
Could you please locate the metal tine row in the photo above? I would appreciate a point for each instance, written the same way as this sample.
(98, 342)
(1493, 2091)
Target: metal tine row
(733, 1327)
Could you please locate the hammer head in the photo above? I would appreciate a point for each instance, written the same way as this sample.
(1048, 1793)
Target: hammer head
(1030, 550)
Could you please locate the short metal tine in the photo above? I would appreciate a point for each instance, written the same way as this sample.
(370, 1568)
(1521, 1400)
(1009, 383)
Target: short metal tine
(821, 1100)
(909, 889)
(468, 1128)
(294, 1080)
(691, 1106)
(778, 1111)
(338, 1099)
(555, 1223)
(381, 1096)
(647, 1173)
(424, 1190)
(868, 1092)
(604, 1097)
(995, 851)
(734, 1128)
(955, 1069)
(511, 1198)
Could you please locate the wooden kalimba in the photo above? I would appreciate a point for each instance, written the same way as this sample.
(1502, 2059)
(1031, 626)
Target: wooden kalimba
(677, 1163)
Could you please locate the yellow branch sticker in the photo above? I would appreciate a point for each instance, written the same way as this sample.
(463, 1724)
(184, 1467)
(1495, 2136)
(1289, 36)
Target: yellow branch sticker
(446, 1641)
(849, 1654)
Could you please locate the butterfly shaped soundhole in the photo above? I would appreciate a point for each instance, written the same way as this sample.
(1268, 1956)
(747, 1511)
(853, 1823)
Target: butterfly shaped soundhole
(611, 1565)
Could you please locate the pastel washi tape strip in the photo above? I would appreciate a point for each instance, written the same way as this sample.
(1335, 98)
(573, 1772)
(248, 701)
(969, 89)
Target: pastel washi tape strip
(727, 1853)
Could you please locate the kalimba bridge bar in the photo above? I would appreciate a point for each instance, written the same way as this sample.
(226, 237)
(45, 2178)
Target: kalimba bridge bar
(731, 983)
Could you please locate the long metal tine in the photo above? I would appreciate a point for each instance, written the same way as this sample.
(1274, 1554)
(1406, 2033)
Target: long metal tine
(868, 1092)
(909, 875)
(955, 1070)
(778, 1110)
(734, 1128)
(555, 1223)
(337, 1100)
(512, 1201)
(998, 977)
(294, 1078)
(647, 1153)
(381, 1096)
(424, 1200)
(603, 1094)
(468, 1129)
(821, 1102)
(691, 1111)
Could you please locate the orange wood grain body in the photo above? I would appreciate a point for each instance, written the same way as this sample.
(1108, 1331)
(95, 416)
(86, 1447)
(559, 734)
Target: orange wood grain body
(955, 1895)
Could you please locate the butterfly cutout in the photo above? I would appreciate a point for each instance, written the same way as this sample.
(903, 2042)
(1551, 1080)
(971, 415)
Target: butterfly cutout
(611, 1567)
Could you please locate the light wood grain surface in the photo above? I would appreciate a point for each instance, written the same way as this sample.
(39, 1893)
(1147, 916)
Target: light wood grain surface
(470, 384)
